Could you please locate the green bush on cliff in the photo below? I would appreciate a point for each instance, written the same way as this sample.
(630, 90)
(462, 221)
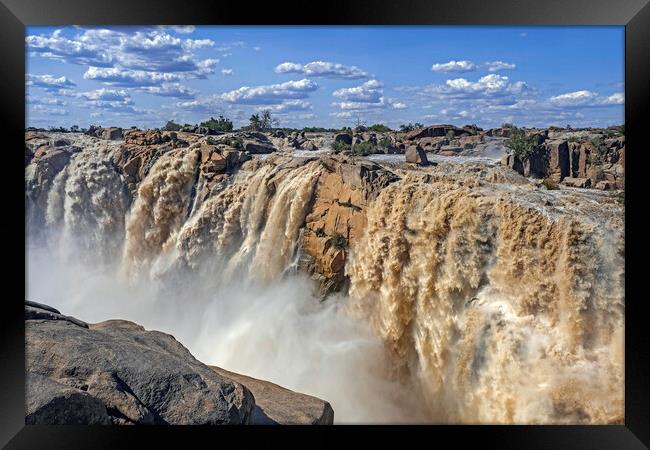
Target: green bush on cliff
(521, 144)
(220, 124)
(379, 128)
(337, 240)
(363, 149)
(340, 147)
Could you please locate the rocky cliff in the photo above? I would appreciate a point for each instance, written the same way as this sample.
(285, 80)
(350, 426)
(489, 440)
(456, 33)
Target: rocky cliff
(496, 298)
(116, 372)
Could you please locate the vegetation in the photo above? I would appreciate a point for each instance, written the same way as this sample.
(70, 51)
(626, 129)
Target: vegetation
(340, 147)
(601, 151)
(363, 149)
(262, 122)
(229, 141)
(320, 232)
(337, 240)
(318, 130)
(507, 125)
(550, 184)
(379, 128)
(410, 126)
(171, 126)
(222, 124)
(521, 144)
(473, 128)
(385, 142)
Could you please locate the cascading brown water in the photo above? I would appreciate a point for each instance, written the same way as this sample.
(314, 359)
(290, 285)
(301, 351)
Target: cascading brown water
(494, 301)
(500, 310)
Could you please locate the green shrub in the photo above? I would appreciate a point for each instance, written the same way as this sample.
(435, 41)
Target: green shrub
(320, 232)
(220, 124)
(520, 143)
(550, 184)
(340, 147)
(379, 128)
(337, 240)
(363, 149)
(384, 142)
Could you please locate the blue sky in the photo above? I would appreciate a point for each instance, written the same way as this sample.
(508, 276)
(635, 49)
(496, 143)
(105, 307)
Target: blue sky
(325, 76)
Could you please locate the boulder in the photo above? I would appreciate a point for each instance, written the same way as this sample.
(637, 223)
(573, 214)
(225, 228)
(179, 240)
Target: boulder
(275, 405)
(254, 148)
(137, 376)
(415, 154)
(309, 145)
(604, 185)
(116, 372)
(344, 138)
(433, 131)
(53, 403)
(112, 134)
(577, 182)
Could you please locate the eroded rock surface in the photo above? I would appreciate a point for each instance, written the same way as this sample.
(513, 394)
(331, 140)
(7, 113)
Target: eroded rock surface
(116, 372)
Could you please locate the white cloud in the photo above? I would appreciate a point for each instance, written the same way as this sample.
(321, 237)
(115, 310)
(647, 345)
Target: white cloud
(49, 82)
(370, 91)
(270, 94)
(126, 77)
(369, 95)
(105, 94)
(288, 105)
(615, 99)
(488, 86)
(577, 98)
(495, 66)
(151, 50)
(322, 69)
(227, 72)
(175, 90)
(183, 29)
(454, 66)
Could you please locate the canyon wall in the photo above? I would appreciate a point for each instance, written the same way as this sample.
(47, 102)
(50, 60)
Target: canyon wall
(496, 300)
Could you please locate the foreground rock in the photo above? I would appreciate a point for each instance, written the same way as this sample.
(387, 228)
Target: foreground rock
(116, 372)
(275, 405)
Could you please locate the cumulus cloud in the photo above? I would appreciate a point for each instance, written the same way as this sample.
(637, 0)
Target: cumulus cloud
(105, 94)
(126, 77)
(368, 95)
(271, 94)
(322, 69)
(495, 66)
(227, 72)
(470, 66)
(370, 91)
(615, 99)
(43, 109)
(488, 86)
(183, 29)
(576, 98)
(454, 66)
(288, 105)
(175, 90)
(585, 98)
(152, 50)
(49, 82)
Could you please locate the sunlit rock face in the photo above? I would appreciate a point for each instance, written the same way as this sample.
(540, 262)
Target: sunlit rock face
(457, 292)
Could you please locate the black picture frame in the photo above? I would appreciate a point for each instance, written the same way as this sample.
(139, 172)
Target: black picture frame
(633, 14)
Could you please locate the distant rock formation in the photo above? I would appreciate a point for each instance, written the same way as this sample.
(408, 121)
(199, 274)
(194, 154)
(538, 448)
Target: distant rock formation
(116, 372)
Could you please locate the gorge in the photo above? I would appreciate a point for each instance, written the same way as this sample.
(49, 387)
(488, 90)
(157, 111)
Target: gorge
(453, 292)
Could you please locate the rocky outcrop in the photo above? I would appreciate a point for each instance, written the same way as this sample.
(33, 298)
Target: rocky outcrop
(337, 216)
(116, 372)
(416, 155)
(434, 131)
(112, 134)
(275, 405)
